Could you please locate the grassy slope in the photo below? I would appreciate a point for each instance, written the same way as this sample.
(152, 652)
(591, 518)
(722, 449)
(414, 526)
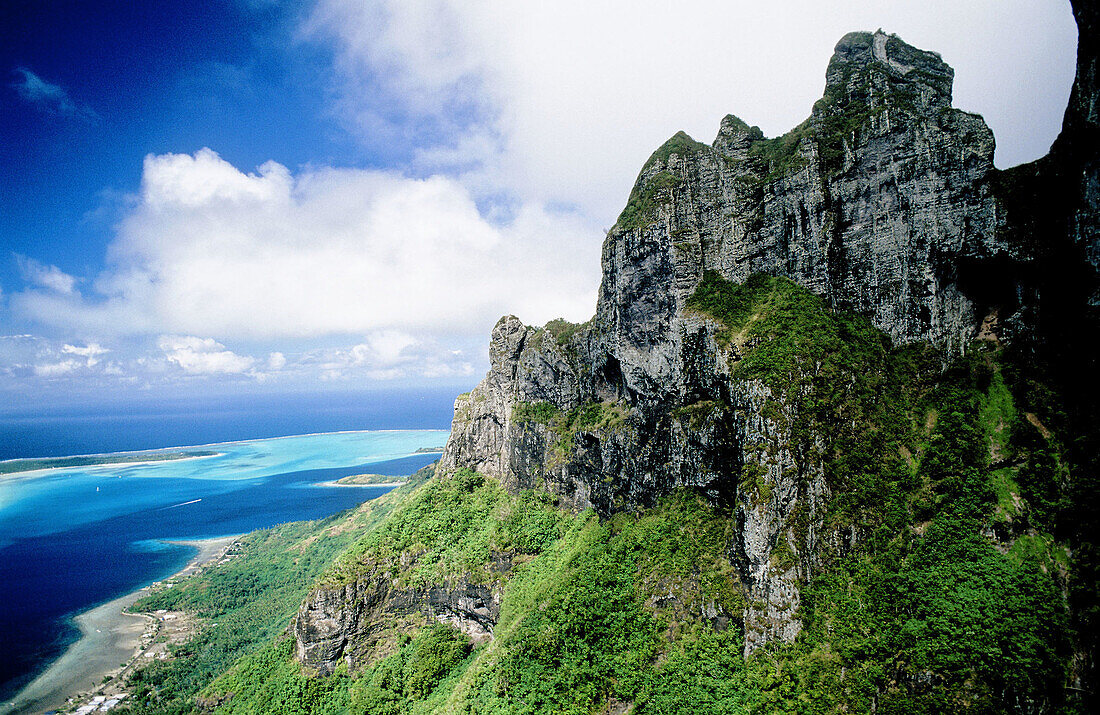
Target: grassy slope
(249, 600)
(927, 613)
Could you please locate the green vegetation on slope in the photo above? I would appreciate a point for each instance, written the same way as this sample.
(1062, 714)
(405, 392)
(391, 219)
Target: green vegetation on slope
(679, 143)
(591, 416)
(451, 527)
(781, 326)
(645, 198)
(944, 589)
(648, 194)
(603, 608)
(247, 601)
(781, 155)
(928, 612)
(563, 331)
(270, 680)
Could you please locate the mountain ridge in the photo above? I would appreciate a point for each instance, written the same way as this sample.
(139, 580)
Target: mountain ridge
(826, 445)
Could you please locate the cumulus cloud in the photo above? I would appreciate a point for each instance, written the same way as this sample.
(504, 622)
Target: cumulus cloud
(32, 355)
(167, 360)
(182, 182)
(56, 369)
(564, 101)
(51, 98)
(390, 355)
(209, 249)
(50, 277)
(203, 356)
(90, 352)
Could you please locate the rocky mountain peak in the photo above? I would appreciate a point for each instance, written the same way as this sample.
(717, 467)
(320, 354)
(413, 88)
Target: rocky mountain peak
(735, 136)
(867, 66)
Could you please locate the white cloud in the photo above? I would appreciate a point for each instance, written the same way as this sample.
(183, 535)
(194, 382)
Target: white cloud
(51, 98)
(203, 356)
(168, 361)
(564, 101)
(56, 369)
(390, 355)
(181, 182)
(90, 352)
(386, 347)
(33, 355)
(210, 249)
(49, 277)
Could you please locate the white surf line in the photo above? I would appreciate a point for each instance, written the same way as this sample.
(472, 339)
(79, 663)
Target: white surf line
(193, 501)
(210, 444)
(103, 465)
(288, 436)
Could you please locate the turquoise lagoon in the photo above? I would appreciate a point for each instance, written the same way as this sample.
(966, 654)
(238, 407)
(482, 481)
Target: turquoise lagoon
(75, 537)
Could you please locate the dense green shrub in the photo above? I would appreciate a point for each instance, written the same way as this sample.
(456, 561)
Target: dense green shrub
(538, 412)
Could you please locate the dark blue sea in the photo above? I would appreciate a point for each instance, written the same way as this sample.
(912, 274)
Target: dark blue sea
(71, 539)
(33, 430)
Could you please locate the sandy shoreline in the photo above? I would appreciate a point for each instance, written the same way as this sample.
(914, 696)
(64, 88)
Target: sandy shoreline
(109, 637)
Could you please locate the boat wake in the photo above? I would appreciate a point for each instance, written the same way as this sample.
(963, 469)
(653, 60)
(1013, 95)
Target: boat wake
(193, 501)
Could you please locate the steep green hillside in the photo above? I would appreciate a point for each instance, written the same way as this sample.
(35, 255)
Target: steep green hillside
(950, 596)
(247, 601)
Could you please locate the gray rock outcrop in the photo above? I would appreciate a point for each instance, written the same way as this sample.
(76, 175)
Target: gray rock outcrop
(871, 203)
(346, 623)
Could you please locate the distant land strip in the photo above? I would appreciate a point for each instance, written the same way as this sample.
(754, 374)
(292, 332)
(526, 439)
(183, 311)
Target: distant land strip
(14, 466)
(429, 450)
(364, 480)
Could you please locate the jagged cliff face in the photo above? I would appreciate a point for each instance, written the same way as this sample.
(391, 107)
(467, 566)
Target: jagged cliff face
(885, 203)
(871, 203)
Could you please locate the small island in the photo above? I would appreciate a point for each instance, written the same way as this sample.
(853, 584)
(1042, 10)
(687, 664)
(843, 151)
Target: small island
(429, 450)
(367, 480)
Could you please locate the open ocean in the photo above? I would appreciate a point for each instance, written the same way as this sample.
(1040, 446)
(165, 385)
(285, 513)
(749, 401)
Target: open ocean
(73, 538)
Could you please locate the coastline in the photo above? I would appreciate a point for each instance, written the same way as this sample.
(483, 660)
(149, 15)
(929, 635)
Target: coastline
(46, 470)
(109, 636)
(143, 463)
(232, 441)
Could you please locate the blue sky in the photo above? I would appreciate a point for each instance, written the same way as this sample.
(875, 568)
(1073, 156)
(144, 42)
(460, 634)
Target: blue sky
(139, 78)
(259, 195)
